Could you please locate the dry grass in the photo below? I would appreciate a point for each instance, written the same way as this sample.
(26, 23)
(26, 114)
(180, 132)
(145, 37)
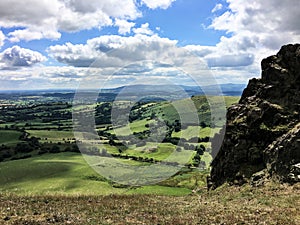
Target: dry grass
(273, 204)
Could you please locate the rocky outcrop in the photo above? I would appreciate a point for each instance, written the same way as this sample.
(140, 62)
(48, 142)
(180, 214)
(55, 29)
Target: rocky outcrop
(262, 137)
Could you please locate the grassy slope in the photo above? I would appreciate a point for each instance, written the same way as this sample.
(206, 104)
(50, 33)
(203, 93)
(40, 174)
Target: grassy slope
(136, 126)
(64, 173)
(191, 130)
(52, 135)
(9, 137)
(273, 204)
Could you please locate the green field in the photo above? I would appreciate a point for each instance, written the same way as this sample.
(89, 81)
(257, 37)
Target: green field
(68, 172)
(191, 130)
(136, 126)
(8, 137)
(163, 150)
(65, 174)
(51, 135)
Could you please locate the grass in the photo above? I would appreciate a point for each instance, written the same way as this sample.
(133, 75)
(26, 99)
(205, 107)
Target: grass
(230, 100)
(163, 151)
(207, 158)
(136, 126)
(52, 135)
(63, 174)
(192, 130)
(273, 204)
(57, 173)
(9, 137)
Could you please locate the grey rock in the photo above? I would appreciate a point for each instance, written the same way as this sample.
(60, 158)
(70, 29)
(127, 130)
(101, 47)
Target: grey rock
(294, 175)
(258, 179)
(263, 130)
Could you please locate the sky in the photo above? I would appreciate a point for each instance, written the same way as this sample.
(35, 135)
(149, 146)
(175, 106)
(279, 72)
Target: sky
(55, 44)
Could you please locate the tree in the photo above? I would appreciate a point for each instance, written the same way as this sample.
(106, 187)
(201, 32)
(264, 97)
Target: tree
(197, 160)
(75, 148)
(200, 149)
(23, 148)
(55, 149)
(203, 124)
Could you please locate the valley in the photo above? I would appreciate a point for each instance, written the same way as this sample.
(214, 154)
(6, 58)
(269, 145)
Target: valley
(40, 154)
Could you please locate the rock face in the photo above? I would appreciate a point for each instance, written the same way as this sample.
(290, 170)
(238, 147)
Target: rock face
(262, 137)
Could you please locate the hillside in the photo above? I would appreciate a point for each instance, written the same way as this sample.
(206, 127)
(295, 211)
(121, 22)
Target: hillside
(263, 129)
(274, 205)
(39, 154)
(69, 174)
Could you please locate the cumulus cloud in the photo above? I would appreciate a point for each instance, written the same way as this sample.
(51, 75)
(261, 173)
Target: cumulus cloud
(75, 55)
(20, 57)
(2, 38)
(199, 50)
(41, 78)
(260, 20)
(217, 8)
(255, 29)
(124, 26)
(136, 59)
(38, 19)
(111, 53)
(111, 50)
(33, 33)
(153, 4)
(144, 29)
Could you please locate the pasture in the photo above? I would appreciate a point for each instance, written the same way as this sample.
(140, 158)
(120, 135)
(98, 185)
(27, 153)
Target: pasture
(65, 174)
(9, 137)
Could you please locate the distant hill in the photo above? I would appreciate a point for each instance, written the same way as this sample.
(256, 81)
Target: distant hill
(226, 89)
(149, 92)
(229, 89)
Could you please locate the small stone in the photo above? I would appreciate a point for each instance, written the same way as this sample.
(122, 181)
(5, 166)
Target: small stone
(6, 218)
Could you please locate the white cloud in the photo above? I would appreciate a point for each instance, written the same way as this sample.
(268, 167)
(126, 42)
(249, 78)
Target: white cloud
(124, 26)
(144, 29)
(199, 50)
(41, 78)
(33, 33)
(20, 57)
(2, 38)
(254, 28)
(75, 55)
(270, 23)
(47, 18)
(130, 59)
(111, 50)
(153, 4)
(217, 8)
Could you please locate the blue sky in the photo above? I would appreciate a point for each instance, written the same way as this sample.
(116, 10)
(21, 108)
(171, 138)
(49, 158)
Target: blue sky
(54, 43)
